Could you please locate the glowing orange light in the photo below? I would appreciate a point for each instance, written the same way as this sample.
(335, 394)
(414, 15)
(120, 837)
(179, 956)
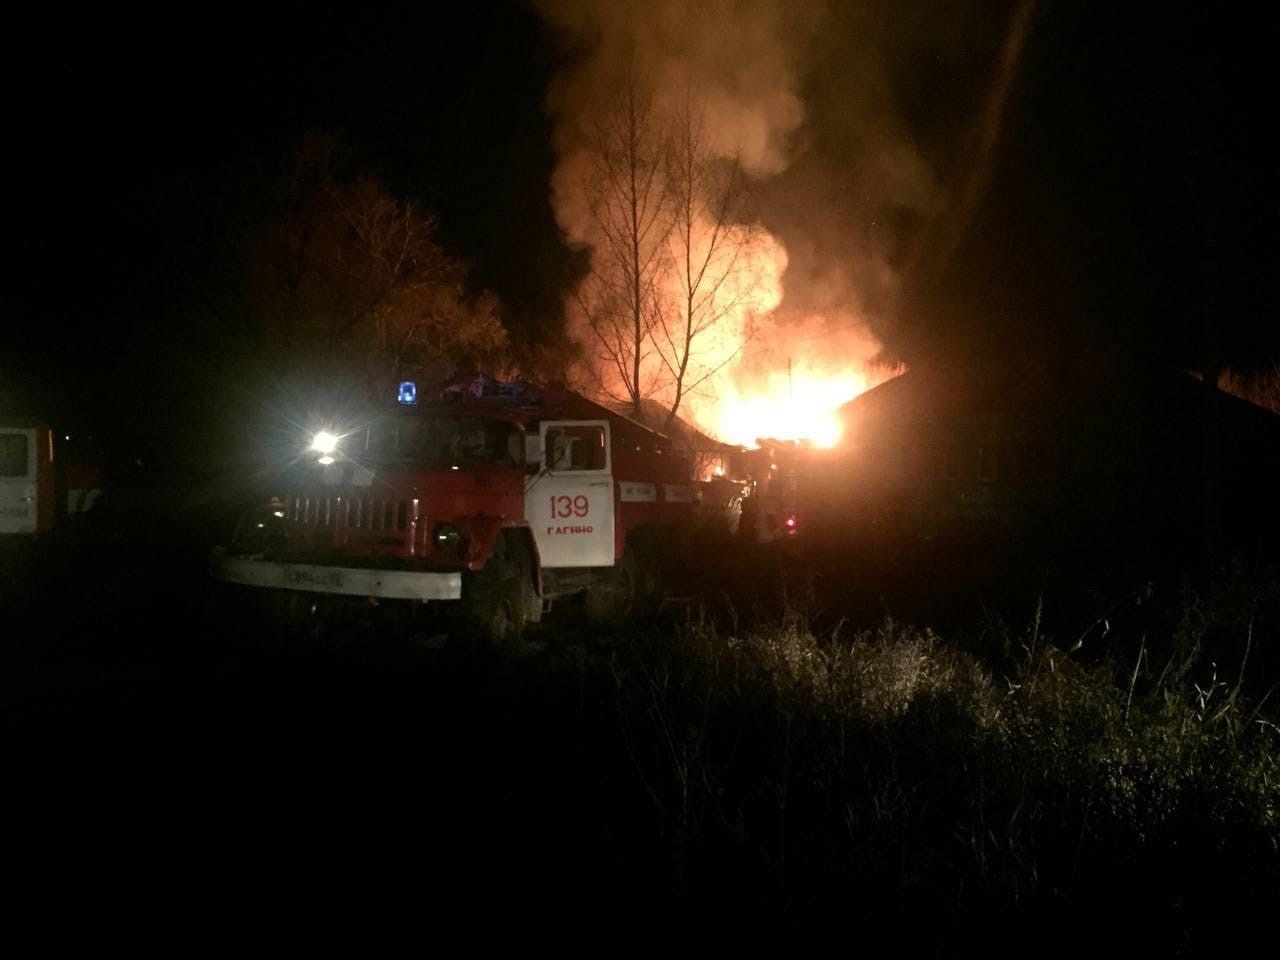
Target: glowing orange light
(791, 408)
(755, 372)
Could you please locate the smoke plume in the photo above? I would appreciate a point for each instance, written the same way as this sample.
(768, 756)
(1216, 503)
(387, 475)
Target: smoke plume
(807, 99)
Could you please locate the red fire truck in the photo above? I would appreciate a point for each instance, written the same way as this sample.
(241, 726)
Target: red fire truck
(771, 511)
(495, 498)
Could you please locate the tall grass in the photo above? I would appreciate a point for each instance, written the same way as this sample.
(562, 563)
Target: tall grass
(889, 771)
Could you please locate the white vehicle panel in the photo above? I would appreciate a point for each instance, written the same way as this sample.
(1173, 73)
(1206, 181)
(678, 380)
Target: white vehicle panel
(17, 480)
(569, 503)
(350, 581)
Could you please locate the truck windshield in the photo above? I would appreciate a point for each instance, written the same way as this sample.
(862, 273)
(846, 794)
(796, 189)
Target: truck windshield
(441, 441)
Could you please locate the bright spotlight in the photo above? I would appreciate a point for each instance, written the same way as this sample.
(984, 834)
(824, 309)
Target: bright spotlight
(324, 442)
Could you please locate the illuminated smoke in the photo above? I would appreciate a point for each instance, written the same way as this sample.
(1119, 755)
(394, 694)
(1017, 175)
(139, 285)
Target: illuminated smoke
(831, 207)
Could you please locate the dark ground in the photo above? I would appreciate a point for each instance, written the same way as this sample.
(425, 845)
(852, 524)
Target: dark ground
(189, 783)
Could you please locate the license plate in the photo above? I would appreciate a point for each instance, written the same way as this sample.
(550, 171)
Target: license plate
(314, 578)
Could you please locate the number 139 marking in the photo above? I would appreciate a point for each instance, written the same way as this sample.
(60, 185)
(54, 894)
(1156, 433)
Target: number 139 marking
(566, 506)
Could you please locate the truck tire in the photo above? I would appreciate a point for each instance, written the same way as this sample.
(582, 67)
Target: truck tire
(493, 609)
(612, 602)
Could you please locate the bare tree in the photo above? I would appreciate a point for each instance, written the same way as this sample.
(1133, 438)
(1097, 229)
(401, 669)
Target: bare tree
(621, 300)
(710, 235)
(671, 260)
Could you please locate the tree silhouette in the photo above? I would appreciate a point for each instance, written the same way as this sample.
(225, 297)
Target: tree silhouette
(709, 239)
(620, 300)
(670, 234)
(347, 276)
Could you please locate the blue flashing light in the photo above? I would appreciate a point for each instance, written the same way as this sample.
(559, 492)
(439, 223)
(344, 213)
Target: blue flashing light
(407, 392)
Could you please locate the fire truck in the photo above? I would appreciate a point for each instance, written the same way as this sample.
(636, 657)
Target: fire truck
(40, 487)
(771, 510)
(487, 498)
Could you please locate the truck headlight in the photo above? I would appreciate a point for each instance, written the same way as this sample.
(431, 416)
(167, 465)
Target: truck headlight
(447, 541)
(324, 442)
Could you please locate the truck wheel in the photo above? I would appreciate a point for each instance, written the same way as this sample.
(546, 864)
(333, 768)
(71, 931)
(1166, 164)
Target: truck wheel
(612, 602)
(305, 620)
(493, 605)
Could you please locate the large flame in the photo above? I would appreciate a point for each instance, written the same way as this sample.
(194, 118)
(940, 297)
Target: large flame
(775, 377)
(755, 374)
(755, 369)
(790, 406)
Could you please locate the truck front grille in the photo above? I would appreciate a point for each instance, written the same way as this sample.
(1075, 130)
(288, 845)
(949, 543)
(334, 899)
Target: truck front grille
(351, 513)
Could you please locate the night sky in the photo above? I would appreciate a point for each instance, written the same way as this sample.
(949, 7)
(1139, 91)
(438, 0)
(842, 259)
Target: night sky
(1132, 197)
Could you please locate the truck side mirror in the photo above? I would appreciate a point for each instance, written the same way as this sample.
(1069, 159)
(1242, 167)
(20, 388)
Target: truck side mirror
(533, 449)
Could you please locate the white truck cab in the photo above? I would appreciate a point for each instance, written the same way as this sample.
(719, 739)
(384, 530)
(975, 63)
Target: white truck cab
(569, 502)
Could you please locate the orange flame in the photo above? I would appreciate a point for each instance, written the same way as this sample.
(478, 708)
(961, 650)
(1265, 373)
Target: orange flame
(776, 379)
(754, 375)
(790, 407)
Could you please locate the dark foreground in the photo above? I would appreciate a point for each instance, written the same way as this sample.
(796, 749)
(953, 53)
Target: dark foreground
(189, 782)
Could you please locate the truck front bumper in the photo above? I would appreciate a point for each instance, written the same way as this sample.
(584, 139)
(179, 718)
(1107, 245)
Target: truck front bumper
(349, 581)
